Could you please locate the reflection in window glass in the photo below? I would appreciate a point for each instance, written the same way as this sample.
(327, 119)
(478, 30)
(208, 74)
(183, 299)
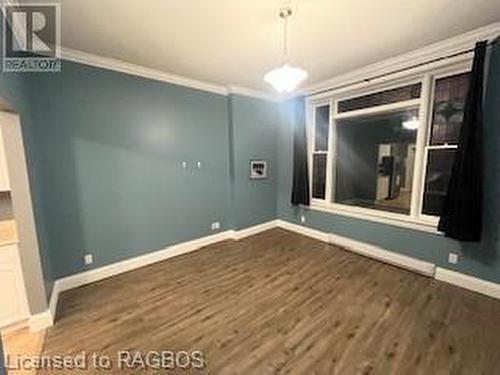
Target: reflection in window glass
(437, 176)
(319, 176)
(375, 161)
(322, 125)
(450, 94)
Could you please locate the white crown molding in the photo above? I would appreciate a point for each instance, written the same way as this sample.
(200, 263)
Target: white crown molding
(109, 63)
(117, 65)
(238, 90)
(433, 51)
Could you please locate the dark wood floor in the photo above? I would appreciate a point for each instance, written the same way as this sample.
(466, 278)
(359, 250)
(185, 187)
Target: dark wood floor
(278, 302)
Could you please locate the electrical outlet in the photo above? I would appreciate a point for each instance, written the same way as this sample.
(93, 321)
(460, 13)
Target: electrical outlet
(88, 259)
(215, 225)
(453, 258)
(184, 165)
(302, 219)
(198, 164)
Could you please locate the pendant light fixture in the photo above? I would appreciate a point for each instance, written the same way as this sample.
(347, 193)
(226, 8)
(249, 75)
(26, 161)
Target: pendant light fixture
(285, 78)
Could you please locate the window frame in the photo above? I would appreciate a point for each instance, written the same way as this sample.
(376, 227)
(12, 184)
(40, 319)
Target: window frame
(415, 219)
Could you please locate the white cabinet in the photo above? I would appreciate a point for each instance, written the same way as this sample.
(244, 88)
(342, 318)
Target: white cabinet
(4, 175)
(12, 297)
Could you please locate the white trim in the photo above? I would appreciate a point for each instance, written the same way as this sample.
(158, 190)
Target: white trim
(24, 323)
(419, 162)
(415, 219)
(305, 231)
(383, 217)
(474, 284)
(368, 250)
(41, 321)
(378, 253)
(54, 299)
(117, 65)
(117, 268)
(443, 48)
(238, 90)
(385, 108)
(239, 234)
(27, 252)
(46, 319)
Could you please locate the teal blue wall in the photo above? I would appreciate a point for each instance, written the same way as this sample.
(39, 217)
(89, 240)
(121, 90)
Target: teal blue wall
(111, 148)
(480, 260)
(106, 158)
(105, 151)
(253, 128)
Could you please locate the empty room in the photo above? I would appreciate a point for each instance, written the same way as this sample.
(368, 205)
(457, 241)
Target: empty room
(250, 187)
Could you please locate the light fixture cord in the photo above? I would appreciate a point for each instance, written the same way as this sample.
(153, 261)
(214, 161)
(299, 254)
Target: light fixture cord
(285, 37)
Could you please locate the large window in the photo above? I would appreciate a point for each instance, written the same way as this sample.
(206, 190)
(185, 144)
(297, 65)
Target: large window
(388, 152)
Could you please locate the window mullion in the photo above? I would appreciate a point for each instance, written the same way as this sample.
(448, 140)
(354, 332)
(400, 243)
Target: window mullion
(420, 148)
(330, 182)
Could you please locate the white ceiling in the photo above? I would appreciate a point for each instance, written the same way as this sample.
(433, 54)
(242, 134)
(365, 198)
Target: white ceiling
(235, 42)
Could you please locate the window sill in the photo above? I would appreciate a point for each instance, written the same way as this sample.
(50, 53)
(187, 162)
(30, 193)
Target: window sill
(428, 225)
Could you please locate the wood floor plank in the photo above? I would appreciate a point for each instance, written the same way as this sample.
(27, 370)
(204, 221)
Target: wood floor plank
(281, 303)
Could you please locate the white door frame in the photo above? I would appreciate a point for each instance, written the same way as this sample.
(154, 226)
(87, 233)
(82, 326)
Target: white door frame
(29, 254)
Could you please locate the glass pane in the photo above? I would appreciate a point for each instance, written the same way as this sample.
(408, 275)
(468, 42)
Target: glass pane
(375, 161)
(439, 164)
(322, 125)
(450, 94)
(319, 176)
(380, 98)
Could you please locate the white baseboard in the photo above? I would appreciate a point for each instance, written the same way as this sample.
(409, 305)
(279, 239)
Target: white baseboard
(239, 234)
(24, 323)
(91, 276)
(386, 256)
(309, 232)
(40, 321)
(363, 248)
(487, 288)
(46, 319)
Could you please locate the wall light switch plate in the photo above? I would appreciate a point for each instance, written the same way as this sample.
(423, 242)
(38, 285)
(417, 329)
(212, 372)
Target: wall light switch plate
(184, 165)
(198, 164)
(88, 259)
(215, 225)
(302, 219)
(453, 258)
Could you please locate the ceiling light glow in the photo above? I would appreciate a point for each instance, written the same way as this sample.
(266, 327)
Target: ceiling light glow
(411, 124)
(286, 78)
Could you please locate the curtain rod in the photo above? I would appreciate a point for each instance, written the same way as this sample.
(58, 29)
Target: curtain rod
(365, 80)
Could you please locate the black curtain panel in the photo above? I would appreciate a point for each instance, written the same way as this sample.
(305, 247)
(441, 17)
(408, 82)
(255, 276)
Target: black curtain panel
(461, 217)
(300, 187)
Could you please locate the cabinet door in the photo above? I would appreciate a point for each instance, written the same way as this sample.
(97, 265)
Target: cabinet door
(4, 175)
(10, 309)
(12, 298)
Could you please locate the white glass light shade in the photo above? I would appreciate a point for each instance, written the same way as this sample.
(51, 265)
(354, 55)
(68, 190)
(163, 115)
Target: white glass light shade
(285, 78)
(411, 124)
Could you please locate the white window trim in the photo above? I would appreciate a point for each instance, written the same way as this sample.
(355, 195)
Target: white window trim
(415, 220)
